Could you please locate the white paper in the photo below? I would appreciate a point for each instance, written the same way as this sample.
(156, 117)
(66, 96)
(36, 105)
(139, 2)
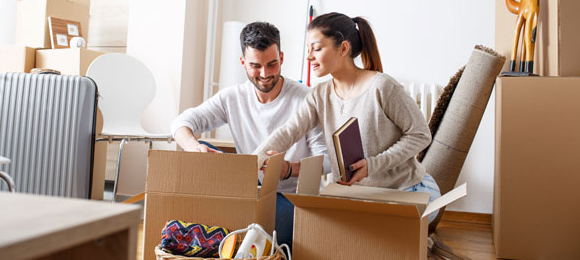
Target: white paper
(310, 174)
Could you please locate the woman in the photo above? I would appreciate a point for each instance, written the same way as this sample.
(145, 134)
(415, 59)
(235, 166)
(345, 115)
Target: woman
(393, 130)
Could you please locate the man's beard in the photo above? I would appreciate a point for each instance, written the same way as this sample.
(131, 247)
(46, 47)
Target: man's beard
(267, 88)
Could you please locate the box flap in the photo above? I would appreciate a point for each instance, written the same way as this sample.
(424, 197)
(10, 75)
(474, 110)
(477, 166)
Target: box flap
(449, 197)
(377, 194)
(266, 211)
(230, 175)
(271, 174)
(355, 205)
(310, 174)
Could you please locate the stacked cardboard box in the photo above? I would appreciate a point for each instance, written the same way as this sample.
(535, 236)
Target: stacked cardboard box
(536, 207)
(32, 19)
(16, 59)
(67, 61)
(535, 210)
(32, 31)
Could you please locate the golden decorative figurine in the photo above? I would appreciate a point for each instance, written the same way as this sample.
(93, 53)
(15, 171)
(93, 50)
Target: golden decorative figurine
(527, 11)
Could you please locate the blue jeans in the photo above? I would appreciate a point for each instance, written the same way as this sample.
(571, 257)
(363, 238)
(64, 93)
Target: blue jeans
(428, 185)
(284, 220)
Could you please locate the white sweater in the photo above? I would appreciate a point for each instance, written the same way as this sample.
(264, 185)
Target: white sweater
(393, 130)
(251, 121)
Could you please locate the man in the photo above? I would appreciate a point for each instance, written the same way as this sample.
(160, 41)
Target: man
(255, 109)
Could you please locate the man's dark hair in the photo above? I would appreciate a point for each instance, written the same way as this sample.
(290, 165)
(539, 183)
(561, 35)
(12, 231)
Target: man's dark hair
(260, 36)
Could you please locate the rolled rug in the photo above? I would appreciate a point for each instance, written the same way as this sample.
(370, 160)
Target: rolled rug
(453, 137)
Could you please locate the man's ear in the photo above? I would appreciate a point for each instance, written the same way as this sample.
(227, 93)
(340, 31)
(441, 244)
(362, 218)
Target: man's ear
(242, 60)
(281, 57)
(344, 48)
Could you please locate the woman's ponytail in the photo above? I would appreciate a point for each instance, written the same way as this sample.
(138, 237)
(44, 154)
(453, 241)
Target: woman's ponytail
(357, 31)
(370, 56)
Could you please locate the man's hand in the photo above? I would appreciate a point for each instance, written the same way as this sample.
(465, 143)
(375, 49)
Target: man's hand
(185, 138)
(202, 148)
(361, 172)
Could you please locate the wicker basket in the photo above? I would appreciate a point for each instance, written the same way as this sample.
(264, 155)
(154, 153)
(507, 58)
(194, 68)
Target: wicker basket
(162, 255)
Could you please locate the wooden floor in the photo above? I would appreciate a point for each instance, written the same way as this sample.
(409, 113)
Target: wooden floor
(468, 234)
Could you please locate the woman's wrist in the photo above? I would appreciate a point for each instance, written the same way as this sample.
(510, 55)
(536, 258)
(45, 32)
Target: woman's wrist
(289, 172)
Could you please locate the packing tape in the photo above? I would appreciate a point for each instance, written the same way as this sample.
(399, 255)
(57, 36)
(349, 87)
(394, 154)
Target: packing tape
(78, 42)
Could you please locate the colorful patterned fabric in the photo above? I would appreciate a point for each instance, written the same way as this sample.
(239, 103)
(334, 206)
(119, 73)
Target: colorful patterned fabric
(188, 239)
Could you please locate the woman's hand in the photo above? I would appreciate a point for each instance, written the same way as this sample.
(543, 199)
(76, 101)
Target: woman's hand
(360, 172)
(285, 165)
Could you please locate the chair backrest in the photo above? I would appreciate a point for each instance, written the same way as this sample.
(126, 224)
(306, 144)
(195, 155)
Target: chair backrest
(126, 87)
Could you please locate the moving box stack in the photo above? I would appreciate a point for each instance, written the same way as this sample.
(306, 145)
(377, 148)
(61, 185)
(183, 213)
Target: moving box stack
(33, 49)
(536, 207)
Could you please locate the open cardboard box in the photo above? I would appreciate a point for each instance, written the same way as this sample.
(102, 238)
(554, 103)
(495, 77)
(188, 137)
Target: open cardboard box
(207, 188)
(359, 222)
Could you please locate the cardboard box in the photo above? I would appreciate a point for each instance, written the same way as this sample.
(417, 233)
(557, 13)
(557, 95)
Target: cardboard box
(537, 161)
(359, 222)
(32, 19)
(212, 189)
(569, 51)
(15, 58)
(557, 52)
(67, 61)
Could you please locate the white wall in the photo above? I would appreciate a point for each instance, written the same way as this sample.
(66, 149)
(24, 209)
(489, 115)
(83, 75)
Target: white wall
(155, 37)
(108, 25)
(419, 41)
(7, 22)
(169, 38)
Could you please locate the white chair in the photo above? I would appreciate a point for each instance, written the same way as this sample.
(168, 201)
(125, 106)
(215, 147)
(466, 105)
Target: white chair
(5, 176)
(125, 87)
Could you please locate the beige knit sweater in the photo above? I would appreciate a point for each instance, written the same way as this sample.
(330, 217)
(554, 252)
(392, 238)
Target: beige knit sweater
(393, 130)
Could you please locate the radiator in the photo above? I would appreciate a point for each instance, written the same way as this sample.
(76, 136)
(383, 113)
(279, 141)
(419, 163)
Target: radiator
(426, 96)
(47, 125)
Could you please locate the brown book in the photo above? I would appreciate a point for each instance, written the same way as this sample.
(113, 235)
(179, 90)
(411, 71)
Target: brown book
(348, 146)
